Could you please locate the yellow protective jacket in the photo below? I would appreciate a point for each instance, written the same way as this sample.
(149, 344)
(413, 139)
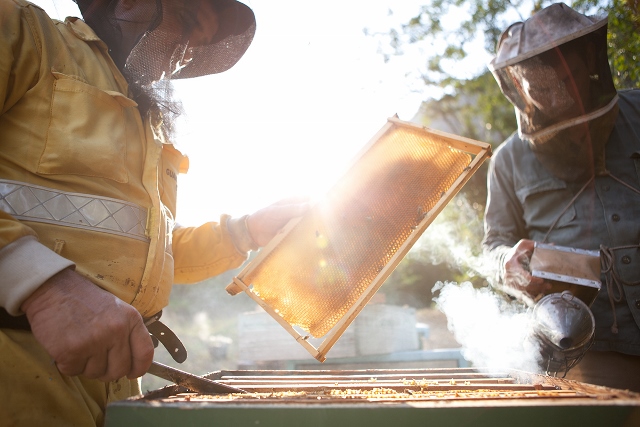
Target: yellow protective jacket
(84, 179)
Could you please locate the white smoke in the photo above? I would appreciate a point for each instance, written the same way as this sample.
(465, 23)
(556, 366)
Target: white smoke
(494, 333)
(455, 237)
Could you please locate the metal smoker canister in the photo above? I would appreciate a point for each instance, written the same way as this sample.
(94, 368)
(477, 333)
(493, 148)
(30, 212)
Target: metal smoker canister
(565, 327)
(563, 324)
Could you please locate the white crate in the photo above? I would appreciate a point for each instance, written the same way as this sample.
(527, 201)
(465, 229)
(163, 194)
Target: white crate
(378, 329)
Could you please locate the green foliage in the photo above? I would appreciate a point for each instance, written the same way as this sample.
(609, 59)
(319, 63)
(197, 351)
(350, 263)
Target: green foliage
(485, 20)
(478, 110)
(476, 20)
(623, 38)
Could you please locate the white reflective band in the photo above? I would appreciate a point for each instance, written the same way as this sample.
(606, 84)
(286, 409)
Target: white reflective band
(40, 204)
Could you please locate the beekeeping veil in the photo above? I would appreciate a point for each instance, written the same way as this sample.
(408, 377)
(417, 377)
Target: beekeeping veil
(177, 38)
(554, 69)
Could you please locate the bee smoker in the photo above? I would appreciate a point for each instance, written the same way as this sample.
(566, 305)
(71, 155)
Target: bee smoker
(563, 324)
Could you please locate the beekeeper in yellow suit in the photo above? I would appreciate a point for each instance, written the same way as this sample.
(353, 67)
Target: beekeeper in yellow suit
(88, 245)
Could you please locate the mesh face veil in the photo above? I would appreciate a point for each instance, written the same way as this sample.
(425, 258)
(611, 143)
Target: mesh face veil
(543, 71)
(554, 69)
(151, 40)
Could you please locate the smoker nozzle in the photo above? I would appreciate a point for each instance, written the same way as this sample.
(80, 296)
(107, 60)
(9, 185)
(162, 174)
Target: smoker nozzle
(565, 343)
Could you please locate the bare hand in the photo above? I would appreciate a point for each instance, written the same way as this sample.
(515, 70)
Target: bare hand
(264, 224)
(517, 276)
(88, 331)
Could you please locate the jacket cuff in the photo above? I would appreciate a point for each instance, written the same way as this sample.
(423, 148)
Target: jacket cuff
(240, 235)
(25, 264)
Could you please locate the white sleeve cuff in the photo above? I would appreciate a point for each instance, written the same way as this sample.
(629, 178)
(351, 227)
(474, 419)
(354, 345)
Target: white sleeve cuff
(25, 265)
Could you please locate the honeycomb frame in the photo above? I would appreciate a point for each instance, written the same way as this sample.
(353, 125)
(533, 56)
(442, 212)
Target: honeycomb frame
(323, 268)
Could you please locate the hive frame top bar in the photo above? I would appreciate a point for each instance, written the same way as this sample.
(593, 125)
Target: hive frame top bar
(495, 384)
(397, 132)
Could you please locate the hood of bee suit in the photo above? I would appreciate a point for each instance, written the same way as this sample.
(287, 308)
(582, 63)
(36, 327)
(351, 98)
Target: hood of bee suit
(554, 69)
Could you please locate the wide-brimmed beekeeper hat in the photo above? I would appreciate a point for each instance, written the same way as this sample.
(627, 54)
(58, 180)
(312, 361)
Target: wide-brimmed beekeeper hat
(167, 47)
